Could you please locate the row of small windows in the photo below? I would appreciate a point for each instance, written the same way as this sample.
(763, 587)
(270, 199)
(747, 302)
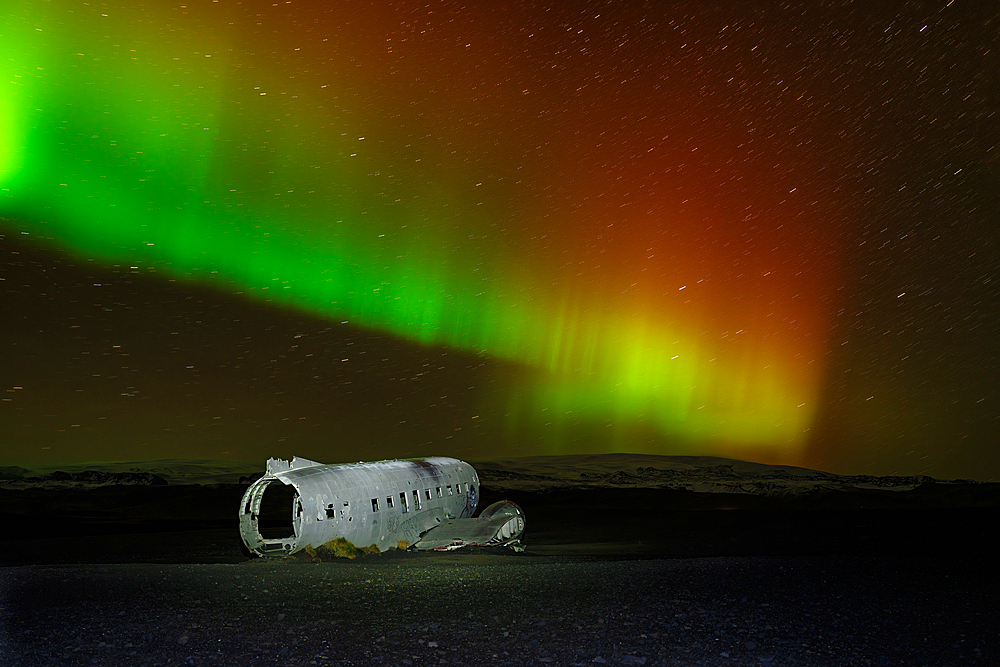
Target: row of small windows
(461, 487)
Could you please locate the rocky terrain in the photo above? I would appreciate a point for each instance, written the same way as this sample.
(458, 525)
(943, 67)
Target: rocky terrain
(494, 609)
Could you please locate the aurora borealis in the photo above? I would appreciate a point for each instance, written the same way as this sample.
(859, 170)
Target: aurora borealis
(640, 227)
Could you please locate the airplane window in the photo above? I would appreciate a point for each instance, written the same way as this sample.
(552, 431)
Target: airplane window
(402, 500)
(331, 513)
(416, 499)
(388, 501)
(427, 492)
(449, 490)
(439, 494)
(374, 504)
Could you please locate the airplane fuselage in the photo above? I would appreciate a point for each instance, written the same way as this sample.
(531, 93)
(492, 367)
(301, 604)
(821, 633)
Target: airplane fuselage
(384, 503)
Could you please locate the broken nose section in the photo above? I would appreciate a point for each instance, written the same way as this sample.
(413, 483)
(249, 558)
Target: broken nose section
(266, 526)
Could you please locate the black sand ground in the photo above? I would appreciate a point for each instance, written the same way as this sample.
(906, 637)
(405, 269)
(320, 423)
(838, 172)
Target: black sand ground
(154, 576)
(472, 609)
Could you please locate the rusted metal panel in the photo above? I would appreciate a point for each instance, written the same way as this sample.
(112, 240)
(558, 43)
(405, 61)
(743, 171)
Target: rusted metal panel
(384, 504)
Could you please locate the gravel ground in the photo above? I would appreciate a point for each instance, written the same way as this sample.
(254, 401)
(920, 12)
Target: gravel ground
(475, 608)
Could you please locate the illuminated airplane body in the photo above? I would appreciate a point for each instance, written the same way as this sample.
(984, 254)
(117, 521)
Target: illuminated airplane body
(421, 503)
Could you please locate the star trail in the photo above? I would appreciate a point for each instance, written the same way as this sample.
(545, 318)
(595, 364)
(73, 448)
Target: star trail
(760, 232)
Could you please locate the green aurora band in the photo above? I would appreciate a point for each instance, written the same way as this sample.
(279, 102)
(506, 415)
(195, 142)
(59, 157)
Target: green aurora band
(144, 138)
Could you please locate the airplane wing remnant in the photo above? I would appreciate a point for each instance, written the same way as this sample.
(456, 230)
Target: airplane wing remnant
(424, 503)
(500, 524)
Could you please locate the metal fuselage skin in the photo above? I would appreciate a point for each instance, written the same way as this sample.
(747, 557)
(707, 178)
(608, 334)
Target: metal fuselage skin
(383, 503)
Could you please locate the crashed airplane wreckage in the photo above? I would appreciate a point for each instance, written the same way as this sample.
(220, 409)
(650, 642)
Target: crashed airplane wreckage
(425, 504)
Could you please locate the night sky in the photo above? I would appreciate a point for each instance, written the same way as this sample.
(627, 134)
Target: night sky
(353, 230)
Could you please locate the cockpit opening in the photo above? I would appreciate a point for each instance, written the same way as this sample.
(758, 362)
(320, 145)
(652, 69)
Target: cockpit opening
(271, 517)
(275, 517)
